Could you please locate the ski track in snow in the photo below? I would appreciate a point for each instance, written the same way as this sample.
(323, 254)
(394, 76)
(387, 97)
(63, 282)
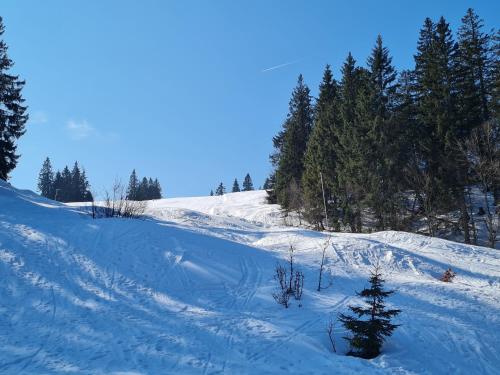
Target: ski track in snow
(188, 290)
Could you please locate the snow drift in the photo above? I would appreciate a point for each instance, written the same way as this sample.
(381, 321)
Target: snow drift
(188, 290)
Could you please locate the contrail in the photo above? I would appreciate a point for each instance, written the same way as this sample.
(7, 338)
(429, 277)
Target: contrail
(279, 66)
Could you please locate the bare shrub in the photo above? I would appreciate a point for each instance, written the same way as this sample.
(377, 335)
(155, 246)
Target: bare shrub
(298, 285)
(448, 276)
(116, 204)
(290, 281)
(330, 328)
(281, 294)
(291, 256)
(324, 259)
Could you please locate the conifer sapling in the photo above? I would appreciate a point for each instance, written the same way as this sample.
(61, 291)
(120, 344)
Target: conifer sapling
(369, 335)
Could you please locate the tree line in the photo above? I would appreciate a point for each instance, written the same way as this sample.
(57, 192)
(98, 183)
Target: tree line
(388, 150)
(64, 186)
(143, 190)
(247, 186)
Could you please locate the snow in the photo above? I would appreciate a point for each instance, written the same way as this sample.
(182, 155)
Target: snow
(188, 290)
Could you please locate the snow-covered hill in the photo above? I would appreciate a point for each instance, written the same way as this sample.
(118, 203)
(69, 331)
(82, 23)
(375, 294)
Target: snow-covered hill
(188, 290)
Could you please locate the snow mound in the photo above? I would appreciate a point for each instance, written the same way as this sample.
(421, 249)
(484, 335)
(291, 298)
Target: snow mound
(188, 290)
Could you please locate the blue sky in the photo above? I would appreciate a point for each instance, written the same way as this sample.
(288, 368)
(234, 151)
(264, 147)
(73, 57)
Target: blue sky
(183, 90)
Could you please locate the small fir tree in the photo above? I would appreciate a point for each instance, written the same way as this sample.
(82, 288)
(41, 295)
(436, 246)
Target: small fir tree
(290, 144)
(46, 180)
(369, 335)
(247, 183)
(142, 193)
(220, 189)
(236, 186)
(156, 190)
(133, 186)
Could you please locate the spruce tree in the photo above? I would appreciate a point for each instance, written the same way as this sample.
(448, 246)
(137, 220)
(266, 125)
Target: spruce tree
(321, 155)
(435, 93)
(236, 186)
(75, 193)
(58, 186)
(46, 180)
(133, 187)
(247, 183)
(211, 193)
(65, 190)
(291, 142)
(267, 184)
(383, 179)
(84, 187)
(221, 190)
(142, 192)
(151, 189)
(13, 115)
(157, 189)
(474, 70)
(351, 174)
(369, 335)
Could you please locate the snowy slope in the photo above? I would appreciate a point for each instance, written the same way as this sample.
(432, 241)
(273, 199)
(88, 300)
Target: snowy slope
(188, 290)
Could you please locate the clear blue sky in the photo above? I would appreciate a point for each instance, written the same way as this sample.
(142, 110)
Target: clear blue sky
(180, 90)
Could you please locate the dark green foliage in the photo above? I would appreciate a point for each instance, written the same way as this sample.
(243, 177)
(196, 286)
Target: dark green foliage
(267, 184)
(146, 189)
(133, 187)
(247, 183)
(13, 115)
(474, 69)
(46, 180)
(211, 193)
(389, 146)
(383, 140)
(221, 190)
(368, 335)
(290, 144)
(65, 186)
(321, 154)
(352, 134)
(236, 186)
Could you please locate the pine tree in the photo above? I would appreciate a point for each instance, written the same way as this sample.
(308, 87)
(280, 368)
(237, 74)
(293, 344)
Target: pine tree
(290, 144)
(369, 335)
(383, 179)
(351, 174)
(247, 183)
(58, 187)
(211, 193)
(236, 186)
(142, 191)
(84, 187)
(495, 102)
(157, 190)
(474, 69)
(151, 192)
(267, 184)
(75, 193)
(221, 190)
(46, 180)
(321, 155)
(435, 94)
(12, 113)
(65, 190)
(133, 187)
